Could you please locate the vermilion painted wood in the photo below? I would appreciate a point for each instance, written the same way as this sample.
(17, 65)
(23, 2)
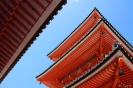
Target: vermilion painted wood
(96, 44)
(6, 51)
(14, 30)
(49, 1)
(12, 14)
(7, 43)
(27, 12)
(24, 18)
(73, 39)
(40, 4)
(3, 57)
(33, 8)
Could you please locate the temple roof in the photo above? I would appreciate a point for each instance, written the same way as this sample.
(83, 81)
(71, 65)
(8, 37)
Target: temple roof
(100, 64)
(21, 22)
(73, 59)
(77, 34)
(111, 28)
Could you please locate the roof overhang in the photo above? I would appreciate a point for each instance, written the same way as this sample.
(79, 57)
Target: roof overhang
(117, 36)
(73, 36)
(116, 53)
(52, 70)
(41, 23)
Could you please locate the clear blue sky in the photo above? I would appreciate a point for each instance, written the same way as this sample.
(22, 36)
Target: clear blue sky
(118, 12)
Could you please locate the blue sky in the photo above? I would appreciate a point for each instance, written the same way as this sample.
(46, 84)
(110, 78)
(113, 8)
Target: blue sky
(118, 12)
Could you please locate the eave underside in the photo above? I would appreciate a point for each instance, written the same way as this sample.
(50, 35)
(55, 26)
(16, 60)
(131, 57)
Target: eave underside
(54, 76)
(63, 68)
(31, 30)
(75, 36)
(106, 75)
(69, 41)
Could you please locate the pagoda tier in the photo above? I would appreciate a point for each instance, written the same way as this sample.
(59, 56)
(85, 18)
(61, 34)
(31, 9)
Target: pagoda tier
(94, 44)
(75, 36)
(113, 71)
(21, 21)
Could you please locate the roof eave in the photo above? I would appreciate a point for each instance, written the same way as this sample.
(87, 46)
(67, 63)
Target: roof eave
(43, 26)
(71, 33)
(116, 50)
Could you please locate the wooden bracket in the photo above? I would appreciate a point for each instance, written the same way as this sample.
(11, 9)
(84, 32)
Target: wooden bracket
(116, 76)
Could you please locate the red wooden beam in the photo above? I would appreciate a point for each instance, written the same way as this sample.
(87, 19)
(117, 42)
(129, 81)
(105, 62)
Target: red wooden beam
(101, 38)
(24, 18)
(33, 8)
(2, 65)
(13, 32)
(6, 50)
(2, 25)
(11, 16)
(13, 40)
(49, 1)
(21, 24)
(2, 61)
(7, 15)
(4, 55)
(18, 22)
(1, 17)
(3, 43)
(28, 13)
(25, 10)
(9, 43)
(17, 28)
(5, 4)
(17, 12)
(116, 76)
(40, 4)
(4, 58)
(4, 12)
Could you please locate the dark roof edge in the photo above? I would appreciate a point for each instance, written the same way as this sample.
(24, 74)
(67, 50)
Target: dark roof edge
(118, 35)
(113, 29)
(72, 32)
(107, 23)
(104, 61)
(71, 48)
(43, 26)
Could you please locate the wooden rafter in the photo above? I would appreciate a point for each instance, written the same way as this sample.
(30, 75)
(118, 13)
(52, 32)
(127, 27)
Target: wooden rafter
(24, 18)
(10, 18)
(49, 1)
(13, 25)
(40, 4)
(33, 8)
(25, 10)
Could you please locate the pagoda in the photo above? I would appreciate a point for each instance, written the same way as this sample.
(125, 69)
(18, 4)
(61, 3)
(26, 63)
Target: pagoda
(21, 22)
(94, 55)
